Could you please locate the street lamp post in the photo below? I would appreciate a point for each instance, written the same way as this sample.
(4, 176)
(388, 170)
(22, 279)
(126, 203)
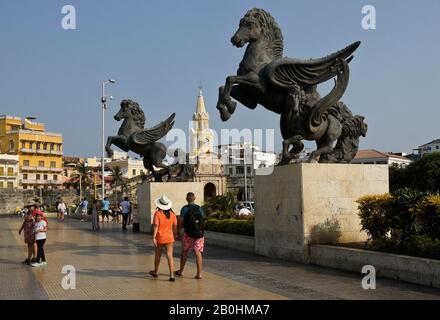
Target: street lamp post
(104, 107)
(245, 178)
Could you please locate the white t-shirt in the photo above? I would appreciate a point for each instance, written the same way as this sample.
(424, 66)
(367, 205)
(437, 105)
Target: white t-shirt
(40, 226)
(62, 207)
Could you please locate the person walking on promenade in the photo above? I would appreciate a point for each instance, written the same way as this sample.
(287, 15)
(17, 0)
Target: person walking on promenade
(61, 210)
(164, 229)
(95, 216)
(29, 236)
(56, 205)
(192, 219)
(40, 229)
(105, 209)
(32, 208)
(126, 211)
(83, 209)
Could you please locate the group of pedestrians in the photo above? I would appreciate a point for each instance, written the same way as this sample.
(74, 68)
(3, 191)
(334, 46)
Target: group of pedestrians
(167, 227)
(124, 208)
(34, 227)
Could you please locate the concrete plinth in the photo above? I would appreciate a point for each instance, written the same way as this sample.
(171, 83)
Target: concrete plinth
(308, 203)
(148, 192)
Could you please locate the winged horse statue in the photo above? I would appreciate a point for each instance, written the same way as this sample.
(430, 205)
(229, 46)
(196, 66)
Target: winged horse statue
(132, 136)
(288, 87)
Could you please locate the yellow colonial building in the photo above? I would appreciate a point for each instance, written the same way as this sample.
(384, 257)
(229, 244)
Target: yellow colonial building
(39, 152)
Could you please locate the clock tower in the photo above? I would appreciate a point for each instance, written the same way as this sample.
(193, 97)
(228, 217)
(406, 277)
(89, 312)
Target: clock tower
(201, 136)
(208, 166)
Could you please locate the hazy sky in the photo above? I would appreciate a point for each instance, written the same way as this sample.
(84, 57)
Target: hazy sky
(159, 51)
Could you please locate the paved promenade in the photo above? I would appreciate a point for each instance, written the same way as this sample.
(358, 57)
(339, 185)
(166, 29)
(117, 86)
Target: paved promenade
(114, 265)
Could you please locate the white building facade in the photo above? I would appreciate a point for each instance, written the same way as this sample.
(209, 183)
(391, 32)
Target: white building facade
(9, 166)
(430, 147)
(371, 156)
(237, 158)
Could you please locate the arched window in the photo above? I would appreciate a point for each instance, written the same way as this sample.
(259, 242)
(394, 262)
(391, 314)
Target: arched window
(11, 146)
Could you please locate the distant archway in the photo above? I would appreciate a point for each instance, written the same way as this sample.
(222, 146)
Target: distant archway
(240, 194)
(209, 191)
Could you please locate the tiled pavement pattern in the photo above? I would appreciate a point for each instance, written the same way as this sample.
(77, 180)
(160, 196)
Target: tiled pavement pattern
(111, 264)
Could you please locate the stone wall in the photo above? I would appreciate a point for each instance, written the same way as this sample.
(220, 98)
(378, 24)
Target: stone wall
(10, 199)
(405, 268)
(230, 241)
(148, 192)
(303, 203)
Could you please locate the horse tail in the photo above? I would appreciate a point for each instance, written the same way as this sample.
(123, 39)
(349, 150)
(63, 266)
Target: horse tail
(319, 116)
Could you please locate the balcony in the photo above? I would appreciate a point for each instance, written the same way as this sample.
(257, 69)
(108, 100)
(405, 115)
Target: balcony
(26, 150)
(28, 168)
(41, 151)
(8, 176)
(40, 169)
(42, 182)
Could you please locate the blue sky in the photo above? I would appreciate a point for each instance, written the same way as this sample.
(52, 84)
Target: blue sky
(159, 51)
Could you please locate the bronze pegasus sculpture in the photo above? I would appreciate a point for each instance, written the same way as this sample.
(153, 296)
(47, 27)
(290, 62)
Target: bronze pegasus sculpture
(132, 136)
(288, 87)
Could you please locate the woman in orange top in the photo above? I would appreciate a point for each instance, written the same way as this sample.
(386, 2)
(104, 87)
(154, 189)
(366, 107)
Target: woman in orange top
(164, 229)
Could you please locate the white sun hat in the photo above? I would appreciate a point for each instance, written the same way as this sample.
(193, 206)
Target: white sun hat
(164, 203)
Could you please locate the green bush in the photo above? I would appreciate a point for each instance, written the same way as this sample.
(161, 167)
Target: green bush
(399, 215)
(403, 222)
(427, 216)
(234, 226)
(327, 232)
(417, 246)
(373, 213)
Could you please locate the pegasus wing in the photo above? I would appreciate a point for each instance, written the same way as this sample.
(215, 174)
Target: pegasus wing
(155, 133)
(287, 72)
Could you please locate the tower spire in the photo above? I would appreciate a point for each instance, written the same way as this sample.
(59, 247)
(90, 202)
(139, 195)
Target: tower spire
(201, 113)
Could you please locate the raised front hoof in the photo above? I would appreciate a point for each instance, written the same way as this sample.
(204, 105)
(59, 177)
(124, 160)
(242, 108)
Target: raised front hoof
(225, 115)
(109, 152)
(231, 105)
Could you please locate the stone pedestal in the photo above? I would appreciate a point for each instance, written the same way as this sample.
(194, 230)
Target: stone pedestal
(148, 192)
(307, 203)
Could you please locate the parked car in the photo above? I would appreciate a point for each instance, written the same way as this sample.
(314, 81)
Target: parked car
(250, 205)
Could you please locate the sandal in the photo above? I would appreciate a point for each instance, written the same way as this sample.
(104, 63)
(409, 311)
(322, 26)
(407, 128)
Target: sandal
(198, 277)
(178, 273)
(153, 274)
(172, 279)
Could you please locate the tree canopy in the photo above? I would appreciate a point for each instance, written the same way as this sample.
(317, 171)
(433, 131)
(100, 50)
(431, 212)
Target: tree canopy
(422, 174)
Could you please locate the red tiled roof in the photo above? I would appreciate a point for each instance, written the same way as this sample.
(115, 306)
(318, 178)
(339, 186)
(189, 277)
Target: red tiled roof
(372, 153)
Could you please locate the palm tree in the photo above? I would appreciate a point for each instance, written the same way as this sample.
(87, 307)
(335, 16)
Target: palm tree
(83, 174)
(118, 176)
(125, 186)
(221, 206)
